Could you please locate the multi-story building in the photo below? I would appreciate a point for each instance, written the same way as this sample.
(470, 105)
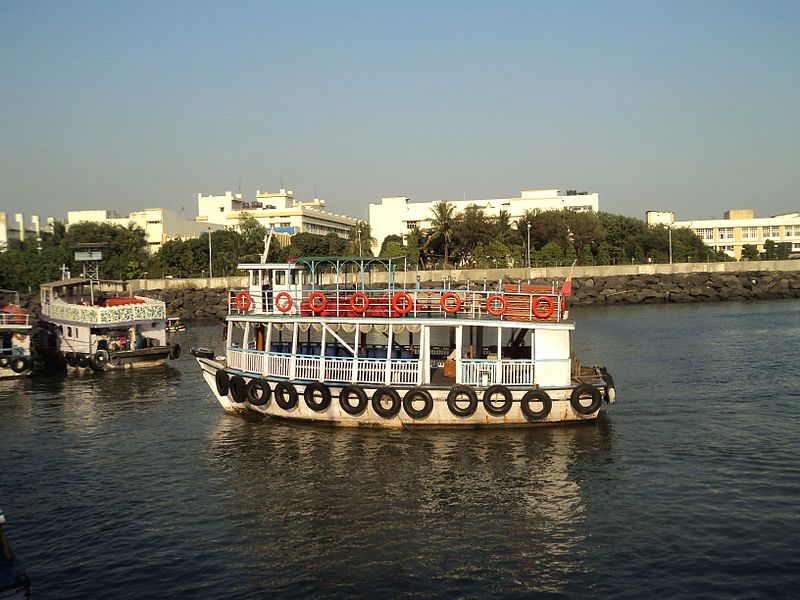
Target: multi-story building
(159, 224)
(18, 229)
(278, 211)
(736, 229)
(397, 215)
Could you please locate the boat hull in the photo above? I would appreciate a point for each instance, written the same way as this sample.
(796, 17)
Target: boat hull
(441, 416)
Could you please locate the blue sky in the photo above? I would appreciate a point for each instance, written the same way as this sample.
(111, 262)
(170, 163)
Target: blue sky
(685, 106)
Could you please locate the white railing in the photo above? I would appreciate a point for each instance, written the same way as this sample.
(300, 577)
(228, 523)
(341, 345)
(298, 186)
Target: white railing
(336, 369)
(147, 310)
(489, 372)
(14, 319)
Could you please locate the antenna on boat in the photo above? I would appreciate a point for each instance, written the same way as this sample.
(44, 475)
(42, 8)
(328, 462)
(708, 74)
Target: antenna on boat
(267, 240)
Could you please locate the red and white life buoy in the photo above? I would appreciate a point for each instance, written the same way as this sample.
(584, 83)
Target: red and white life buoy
(548, 310)
(316, 307)
(287, 306)
(406, 307)
(244, 301)
(362, 304)
(490, 308)
(450, 308)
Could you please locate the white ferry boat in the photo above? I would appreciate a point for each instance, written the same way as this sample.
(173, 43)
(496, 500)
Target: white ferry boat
(322, 340)
(95, 324)
(15, 337)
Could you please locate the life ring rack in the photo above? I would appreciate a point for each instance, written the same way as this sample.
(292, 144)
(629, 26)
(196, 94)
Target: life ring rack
(244, 301)
(496, 312)
(451, 308)
(407, 306)
(284, 308)
(317, 308)
(548, 311)
(361, 307)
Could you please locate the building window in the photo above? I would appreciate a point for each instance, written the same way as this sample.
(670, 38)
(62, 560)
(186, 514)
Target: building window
(792, 230)
(221, 209)
(771, 232)
(411, 224)
(705, 233)
(726, 233)
(69, 331)
(749, 233)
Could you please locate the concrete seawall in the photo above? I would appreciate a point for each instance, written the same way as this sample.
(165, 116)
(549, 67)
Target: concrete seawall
(595, 286)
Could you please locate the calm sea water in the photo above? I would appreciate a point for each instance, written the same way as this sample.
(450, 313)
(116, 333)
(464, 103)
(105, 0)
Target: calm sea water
(137, 485)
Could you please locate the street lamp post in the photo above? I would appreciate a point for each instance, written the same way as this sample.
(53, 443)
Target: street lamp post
(529, 244)
(210, 274)
(670, 244)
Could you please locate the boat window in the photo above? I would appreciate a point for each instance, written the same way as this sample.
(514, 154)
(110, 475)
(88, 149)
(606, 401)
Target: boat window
(69, 331)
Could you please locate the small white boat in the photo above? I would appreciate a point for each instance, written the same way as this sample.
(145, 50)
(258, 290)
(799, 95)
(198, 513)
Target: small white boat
(321, 340)
(15, 337)
(175, 324)
(96, 324)
(14, 582)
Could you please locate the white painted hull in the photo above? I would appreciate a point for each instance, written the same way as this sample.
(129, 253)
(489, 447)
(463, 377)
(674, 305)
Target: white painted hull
(561, 412)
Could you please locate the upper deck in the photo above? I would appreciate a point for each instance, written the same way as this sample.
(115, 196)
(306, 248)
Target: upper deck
(97, 302)
(368, 288)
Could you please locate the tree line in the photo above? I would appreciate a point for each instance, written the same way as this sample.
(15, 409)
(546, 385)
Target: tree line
(466, 239)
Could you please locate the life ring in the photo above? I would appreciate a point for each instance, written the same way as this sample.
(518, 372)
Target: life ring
(489, 404)
(547, 312)
(258, 392)
(457, 395)
(537, 395)
(363, 306)
(101, 358)
(317, 308)
(243, 300)
(314, 391)
(496, 312)
(380, 396)
(19, 364)
(238, 389)
(19, 336)
(580, 391)
(285, 395)
(221, 379)
(175, 352)
(415, 395)
(283, 308)
(408, 303)
(452, 308)
(4, 362)
(361, 400)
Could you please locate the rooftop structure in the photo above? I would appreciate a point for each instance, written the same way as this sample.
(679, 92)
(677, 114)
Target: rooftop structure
(278, 211)
(18, 229)
(736, 229)
(398, 215)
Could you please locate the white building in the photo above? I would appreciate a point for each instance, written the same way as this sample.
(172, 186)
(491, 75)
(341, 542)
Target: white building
(159, 224)
(278, 211)
(18, 229)
(737, 228)
(397, 215)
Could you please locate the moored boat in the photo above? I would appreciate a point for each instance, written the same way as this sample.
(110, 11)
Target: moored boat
(14, 581)
(96, 324)
(321, 340)
(15, 337)
(175, 324)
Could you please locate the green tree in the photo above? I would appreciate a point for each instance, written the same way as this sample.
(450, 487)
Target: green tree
(390, 239)
(361, 240)
(441, 232)
(770, 252)
(750, 252)
(551, 255)
(782, 250)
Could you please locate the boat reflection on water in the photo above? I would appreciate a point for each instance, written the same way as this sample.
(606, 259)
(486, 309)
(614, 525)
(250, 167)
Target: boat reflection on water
(451, 511)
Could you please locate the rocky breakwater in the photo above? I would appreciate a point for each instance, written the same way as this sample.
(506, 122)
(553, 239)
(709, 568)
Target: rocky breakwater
(192, 304)
(686, 287)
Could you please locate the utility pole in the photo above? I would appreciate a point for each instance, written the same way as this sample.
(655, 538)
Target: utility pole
(210, 274)
(529, 244)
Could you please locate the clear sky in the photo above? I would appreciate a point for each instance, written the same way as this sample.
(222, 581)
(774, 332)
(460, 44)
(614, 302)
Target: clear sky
(685, 106)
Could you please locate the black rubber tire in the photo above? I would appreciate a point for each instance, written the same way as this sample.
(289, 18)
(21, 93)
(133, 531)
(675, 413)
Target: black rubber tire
(83, 361)
(101, 358)
(238, 389)
(4, 361)
(256, 386)
(311, 399)
(536, 396)
(417, 394)
(285, 395)
(92, 364)
(19, 364)
(114, 361)
(221, 379)
(344, 400)
(488, 404)
(582, 390)
(71, 359)
(175, 352)
(458, 392)
(393, 409)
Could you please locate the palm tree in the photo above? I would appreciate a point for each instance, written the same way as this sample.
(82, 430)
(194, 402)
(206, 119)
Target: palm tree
(441, 230)
(361, 240)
